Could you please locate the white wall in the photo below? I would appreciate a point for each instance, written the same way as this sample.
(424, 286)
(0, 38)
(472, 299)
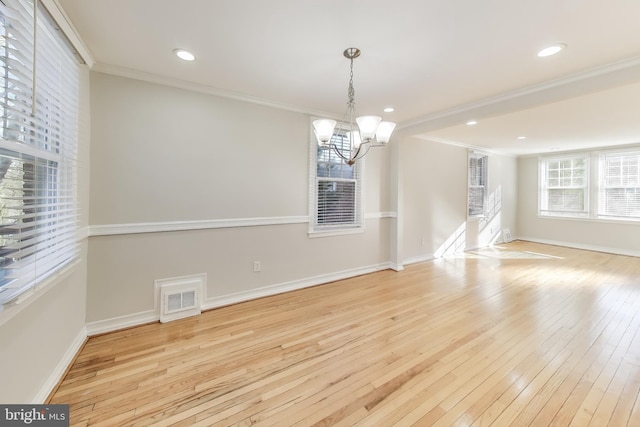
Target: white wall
(432, 191)
(164, 155)
(608, 236)
(40, 338)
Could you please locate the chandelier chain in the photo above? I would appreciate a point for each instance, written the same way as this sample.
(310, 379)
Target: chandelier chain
(370, 133)
(351, 93)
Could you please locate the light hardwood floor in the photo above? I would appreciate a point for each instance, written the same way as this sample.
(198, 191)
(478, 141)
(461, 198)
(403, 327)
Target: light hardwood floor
(521, 334)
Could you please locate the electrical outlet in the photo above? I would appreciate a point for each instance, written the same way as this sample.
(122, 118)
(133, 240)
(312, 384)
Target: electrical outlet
(257, 266)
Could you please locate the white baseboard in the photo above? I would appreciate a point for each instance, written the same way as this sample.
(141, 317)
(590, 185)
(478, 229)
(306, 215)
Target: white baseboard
(136, 319)
(396, 267)
(417, 259)
(122, 322)
(61, 368)
(289, 286)
(595, 248)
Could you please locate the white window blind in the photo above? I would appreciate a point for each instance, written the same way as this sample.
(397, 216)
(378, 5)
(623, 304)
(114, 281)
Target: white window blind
(477, 180)
(337, 186)
(564, 186)
(38, 138)
(619, 185)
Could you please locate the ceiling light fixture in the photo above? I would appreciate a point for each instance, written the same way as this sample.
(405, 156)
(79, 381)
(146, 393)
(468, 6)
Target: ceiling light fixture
(389, 110)
(471, 123)
(551, 50)
(370, 131)
(522, 137)
(185, 55)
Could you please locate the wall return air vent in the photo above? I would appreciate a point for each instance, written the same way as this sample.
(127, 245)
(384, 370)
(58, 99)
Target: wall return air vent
(179, 297)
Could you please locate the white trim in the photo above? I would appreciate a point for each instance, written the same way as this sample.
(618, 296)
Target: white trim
(336, 231)
(28, 297)
(594, 248)
(621, 221)
(396, 267)
(161, 227)
(529, 90)
(83, 233)
(158, 227)
(137, 319)
(485, 150)
(200, 88)
(59, 15)
(419, 258)
(332, 232)
(122, 322)
(290, 286)
(61, 368)
(380, 215)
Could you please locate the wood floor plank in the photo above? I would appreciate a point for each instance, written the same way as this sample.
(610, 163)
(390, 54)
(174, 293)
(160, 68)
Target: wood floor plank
(520, 334)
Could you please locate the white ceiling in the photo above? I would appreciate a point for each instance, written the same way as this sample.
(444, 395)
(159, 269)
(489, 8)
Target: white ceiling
(438, 62)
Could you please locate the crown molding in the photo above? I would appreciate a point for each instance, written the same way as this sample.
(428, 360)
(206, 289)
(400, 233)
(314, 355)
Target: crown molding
(201, 88)
(599, 78)
(467, 146)
(60, 17)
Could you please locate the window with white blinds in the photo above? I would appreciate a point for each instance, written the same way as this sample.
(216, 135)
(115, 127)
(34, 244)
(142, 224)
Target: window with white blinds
(564, 186)
(38, 139)
(337, 189)
(619, 185)
(477, 188)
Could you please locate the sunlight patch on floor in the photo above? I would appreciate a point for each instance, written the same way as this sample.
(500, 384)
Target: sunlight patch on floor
(501, 253)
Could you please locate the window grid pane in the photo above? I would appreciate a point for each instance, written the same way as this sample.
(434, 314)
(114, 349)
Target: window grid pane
(563, 187)
(337, 186)
(619, 194)
(477, 181)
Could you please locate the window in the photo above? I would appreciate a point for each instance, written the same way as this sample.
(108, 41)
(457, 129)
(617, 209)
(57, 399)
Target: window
(612, 177)
(38, 134)
(564, 186)
(477, 188)
(619, 186)
(336, 189)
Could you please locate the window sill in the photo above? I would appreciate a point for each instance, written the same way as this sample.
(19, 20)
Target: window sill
(590, 219)
(26, 299)
(334, 232)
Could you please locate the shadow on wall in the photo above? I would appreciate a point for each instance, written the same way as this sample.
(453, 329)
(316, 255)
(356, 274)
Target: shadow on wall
(475, 234)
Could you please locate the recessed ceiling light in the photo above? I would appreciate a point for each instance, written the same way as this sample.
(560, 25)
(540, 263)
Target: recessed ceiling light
(472, 122)
(551, 50)
(389, 110)
(185, 55)
(522, 137)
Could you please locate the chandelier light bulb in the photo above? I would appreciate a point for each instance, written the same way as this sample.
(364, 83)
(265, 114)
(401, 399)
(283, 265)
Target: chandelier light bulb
(368, 126)
(383, 134)
(323, 129)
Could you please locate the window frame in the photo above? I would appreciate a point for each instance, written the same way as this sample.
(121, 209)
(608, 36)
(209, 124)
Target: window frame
(40, 240)
(601, 188)
(325, 230)
(595, 175)
(475, 156)
(544, 186)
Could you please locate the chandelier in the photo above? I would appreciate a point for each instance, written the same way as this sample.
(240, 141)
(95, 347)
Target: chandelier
(370, 131)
